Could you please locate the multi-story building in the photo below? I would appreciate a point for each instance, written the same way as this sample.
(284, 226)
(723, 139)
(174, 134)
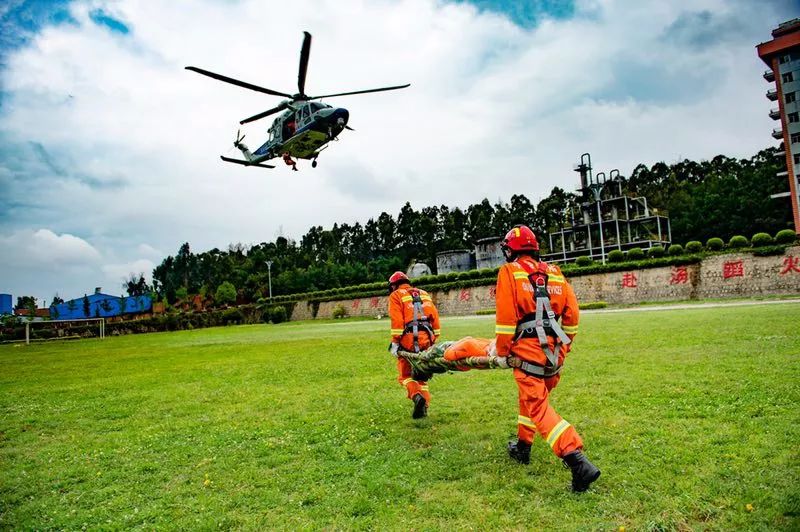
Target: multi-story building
(605, 219)
(782, 56)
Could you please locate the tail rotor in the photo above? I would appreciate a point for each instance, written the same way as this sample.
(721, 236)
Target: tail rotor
(239, 138)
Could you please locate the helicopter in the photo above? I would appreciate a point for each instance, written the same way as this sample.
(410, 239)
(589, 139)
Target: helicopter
(304, 128)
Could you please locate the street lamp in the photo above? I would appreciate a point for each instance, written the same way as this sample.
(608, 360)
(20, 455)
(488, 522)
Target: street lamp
(269, 276)
(597, 189)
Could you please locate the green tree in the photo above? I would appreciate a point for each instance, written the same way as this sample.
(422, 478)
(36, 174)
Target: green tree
(225, 294)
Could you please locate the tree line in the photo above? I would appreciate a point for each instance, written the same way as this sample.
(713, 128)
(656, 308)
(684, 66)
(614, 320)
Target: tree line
(720, 197)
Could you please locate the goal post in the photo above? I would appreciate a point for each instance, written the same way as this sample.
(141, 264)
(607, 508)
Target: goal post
(101, 326)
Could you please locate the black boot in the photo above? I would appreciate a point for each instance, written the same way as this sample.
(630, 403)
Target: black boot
(520, 451)
(420, 407)
(583, 471)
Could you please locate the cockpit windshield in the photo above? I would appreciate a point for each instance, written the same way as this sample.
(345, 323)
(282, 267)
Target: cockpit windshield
(316, 106)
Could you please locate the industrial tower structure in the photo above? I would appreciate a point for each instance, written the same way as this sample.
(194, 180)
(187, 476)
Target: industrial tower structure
(605, 219)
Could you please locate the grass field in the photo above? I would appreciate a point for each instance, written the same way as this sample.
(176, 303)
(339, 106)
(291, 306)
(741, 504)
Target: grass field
(692, 415)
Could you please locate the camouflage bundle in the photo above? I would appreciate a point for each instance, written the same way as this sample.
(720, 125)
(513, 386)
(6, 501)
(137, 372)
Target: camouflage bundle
(432, 360)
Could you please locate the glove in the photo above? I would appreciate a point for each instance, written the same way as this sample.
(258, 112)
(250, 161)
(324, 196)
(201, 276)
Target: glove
(502, 362)
(393, 348)
(491, 352)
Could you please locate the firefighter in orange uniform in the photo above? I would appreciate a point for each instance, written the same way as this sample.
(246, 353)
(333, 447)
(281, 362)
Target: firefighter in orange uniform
(415, 327)
(531, 297)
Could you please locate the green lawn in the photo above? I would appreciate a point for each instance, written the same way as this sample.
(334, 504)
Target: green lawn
(692, 415)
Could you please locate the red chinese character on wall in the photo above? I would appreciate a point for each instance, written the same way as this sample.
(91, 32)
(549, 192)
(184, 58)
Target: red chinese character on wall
(464, 295)
(680, 275)
(791, 264)
(733, 268)
(493, 292)
(373, 303)
(356, 304)
(629, 280)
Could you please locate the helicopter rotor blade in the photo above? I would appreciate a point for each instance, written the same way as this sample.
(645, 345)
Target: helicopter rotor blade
(236, 82)
(305, 51)
(362, 92)
(268, 112)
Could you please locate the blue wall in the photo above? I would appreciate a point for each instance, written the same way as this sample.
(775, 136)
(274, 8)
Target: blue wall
(132, 305)
(5, 304)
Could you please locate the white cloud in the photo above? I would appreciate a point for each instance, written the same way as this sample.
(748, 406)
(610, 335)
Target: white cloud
(45, 248)
(130, 140)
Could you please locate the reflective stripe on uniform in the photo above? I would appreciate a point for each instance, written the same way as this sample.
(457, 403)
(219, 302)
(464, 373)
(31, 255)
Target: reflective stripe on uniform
(522, 420)
(425, 297)
(396, 332)
(406, 381)
(520, 275)
(437, 332)
(557, 431)
(555, 277)
(406, 299)
(424, 388)
(505, 329)
(570, 329)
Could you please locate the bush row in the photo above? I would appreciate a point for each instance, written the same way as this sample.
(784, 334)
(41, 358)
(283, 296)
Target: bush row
(171, 321)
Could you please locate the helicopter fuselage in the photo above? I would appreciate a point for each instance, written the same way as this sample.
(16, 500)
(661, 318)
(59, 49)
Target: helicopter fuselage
(302, 131)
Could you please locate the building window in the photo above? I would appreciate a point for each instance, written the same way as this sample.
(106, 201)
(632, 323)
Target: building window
(793, 117)
(797, 158)
(784, 58)
(788, 77)
(795, 138)
(789, 97)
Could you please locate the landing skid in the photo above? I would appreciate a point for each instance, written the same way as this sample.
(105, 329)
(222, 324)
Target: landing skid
(244, 163)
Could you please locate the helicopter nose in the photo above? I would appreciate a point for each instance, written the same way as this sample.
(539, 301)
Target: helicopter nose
(340, 116)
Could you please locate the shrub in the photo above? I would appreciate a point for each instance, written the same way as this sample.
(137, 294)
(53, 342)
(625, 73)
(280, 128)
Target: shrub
(635, 254)
(715, 244)
(738, 241)
(339, 312)
(593, 305)
(225, 294)
(278, 314)
(616, 256)
(694, 247)
(761, 239)
(785, 236)
(675, 250)
(584, 261)
(232, 315)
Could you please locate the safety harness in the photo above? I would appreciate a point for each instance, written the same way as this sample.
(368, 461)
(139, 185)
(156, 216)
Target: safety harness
(541, 324)
(420, 320)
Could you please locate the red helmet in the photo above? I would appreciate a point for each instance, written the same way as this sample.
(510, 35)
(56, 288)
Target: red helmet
(520, 238)
(398, 277)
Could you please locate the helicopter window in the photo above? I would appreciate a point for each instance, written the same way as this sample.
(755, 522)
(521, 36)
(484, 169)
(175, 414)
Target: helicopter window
(317, 106)
(304, 113)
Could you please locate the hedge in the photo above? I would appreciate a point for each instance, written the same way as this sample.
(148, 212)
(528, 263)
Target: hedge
(694, 247)
(675, 250)
(635, 254)
(761, 239)
(738, 241)
(785, 236)
(715, 244)
(656, 252)
(616, 256)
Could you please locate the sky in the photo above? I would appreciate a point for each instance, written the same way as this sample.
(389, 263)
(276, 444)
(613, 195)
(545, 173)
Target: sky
(109, 149)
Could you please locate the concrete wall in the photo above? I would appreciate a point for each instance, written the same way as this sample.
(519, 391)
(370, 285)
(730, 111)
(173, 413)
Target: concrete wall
(456, 260)
(720, 276)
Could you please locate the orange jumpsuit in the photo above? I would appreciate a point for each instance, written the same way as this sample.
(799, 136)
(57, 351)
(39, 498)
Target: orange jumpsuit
(515, 299)
(401, 313)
